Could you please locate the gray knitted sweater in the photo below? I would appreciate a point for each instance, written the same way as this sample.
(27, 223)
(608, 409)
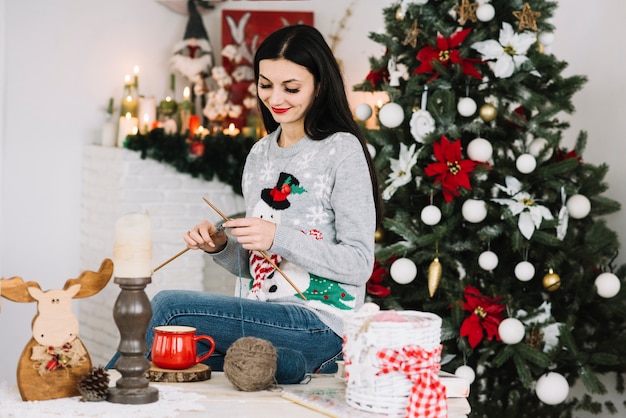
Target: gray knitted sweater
(319, 195)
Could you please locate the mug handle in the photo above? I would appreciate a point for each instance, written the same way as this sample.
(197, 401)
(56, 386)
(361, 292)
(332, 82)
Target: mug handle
(208, 353)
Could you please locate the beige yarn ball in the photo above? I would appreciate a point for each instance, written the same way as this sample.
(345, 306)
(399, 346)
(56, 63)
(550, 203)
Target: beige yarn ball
(250, 364)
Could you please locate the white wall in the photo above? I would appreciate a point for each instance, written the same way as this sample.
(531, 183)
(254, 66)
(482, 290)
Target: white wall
(63, 59)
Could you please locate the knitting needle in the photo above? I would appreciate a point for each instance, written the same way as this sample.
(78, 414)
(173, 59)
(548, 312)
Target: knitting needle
(175, 257)
(263, 253)
(171, 259)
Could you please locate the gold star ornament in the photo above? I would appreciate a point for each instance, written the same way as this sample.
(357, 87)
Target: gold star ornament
(527, 18)
(411, 35)
(466, 11)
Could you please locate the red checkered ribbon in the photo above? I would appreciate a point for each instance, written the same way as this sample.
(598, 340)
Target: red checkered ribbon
(428, 394)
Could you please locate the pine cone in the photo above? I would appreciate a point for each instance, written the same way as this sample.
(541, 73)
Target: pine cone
(94, 386)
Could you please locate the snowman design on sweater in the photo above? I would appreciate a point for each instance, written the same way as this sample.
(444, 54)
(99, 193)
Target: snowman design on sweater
(268, 283)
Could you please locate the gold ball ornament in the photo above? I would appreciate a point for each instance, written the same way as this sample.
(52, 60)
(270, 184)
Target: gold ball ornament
(551, 281)
(488, 112)
(379, 235)
(434, 276)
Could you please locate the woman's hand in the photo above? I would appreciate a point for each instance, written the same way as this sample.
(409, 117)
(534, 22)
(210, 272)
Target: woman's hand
(252, 233)
(205, 236)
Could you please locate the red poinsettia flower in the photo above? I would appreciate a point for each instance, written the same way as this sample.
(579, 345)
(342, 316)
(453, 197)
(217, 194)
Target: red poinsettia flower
(447, 54)
(376, 78)
(450, 169)
(563, 154)
(374, 286)
(486, 315)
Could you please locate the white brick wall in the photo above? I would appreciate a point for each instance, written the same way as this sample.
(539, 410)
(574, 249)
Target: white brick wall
(117, 181)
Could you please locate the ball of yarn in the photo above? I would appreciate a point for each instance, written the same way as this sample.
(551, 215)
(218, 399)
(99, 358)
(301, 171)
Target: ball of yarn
(290, 366)
(250, 364)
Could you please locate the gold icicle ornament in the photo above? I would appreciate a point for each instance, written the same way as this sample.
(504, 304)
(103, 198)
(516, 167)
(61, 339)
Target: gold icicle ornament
(434, 276)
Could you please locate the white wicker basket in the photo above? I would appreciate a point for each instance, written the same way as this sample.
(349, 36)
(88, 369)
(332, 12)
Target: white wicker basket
(364, 337)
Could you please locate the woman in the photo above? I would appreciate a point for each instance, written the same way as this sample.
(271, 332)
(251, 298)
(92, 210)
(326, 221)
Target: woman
(311, 199)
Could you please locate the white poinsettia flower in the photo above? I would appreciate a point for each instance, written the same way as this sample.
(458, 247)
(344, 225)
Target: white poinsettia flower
(401, 170)
(422, 124)
(522, 204)
(507, 53)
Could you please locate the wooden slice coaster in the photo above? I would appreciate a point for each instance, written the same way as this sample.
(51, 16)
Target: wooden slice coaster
(196, 373)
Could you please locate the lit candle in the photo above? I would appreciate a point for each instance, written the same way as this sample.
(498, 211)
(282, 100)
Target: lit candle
(231, 130)
(147, 111)
(185, 112)
(127, 126)
(136, 73)
(146, 123)
(132, 250)
(194, 123)
(167, 107)
(129, 99)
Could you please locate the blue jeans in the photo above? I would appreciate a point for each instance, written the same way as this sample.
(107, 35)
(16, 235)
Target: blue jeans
(228, 318)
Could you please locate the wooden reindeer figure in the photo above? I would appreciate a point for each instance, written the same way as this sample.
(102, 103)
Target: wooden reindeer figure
(55, 359)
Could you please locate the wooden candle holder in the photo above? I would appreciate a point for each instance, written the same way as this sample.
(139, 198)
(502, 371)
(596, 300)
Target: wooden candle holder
(132, 313)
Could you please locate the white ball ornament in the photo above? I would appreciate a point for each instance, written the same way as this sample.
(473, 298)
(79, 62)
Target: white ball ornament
(466, 372)
(578, 206)
(524, 271)
(526, 163)
(488, 260)
(431, 215)
(607, 285)
(485, 12)
(479, 149)
(466, 106)
(474, 210)
(546, 38)
(537, 145)
(552, 388)
(363, 111)
(403, 271)
(511, 331)
(371, 149)
(391, 115)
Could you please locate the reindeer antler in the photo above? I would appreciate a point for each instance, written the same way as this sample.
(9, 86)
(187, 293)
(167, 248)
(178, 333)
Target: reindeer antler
(92, 282)
(16, 289)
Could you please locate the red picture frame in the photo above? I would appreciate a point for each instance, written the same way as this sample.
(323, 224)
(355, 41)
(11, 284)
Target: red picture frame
(242, 32)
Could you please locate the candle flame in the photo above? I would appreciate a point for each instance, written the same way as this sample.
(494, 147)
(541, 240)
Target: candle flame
(186, 93)
(136, 69)
(128, 115)
(127, 78)
(231, 127)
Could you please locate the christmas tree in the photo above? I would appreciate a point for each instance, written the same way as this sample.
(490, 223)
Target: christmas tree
(490, 222)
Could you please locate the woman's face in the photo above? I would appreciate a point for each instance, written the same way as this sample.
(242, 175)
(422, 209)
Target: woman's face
(286, 89)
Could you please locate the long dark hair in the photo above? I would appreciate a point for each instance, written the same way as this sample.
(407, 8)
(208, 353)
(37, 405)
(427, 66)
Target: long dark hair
(330, 112)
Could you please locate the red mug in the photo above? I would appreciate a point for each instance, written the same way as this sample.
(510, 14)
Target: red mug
(174, 347)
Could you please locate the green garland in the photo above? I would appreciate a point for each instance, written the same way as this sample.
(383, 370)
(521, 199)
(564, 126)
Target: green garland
(223, 157)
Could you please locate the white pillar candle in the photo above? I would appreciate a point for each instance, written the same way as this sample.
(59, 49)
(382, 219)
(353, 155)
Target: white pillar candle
(132, 250)
(146, 113)
(127, 126)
